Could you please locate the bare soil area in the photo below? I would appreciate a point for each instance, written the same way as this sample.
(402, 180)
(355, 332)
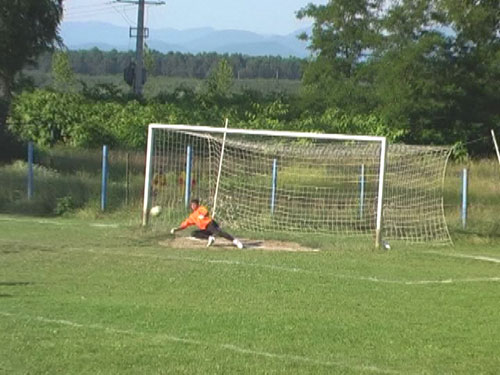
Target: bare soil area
(249, 244)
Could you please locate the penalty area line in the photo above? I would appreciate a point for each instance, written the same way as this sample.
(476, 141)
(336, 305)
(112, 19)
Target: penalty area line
(30, 220)
(230, 347)
(54, 222)
(466, 256)
(105, 225)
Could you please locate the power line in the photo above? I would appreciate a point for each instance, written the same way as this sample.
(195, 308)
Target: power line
(146, 2)
(86, 7)
(82, 6)
(124, 16)
(90, 12)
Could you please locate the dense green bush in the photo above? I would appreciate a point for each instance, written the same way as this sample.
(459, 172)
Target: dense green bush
(79, 120)
(48, 118)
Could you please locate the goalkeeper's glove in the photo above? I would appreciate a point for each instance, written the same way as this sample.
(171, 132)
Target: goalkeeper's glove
(172, 231)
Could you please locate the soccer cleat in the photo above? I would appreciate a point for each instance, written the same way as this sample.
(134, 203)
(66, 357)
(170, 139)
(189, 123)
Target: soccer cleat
(211, 241)
(238, 244)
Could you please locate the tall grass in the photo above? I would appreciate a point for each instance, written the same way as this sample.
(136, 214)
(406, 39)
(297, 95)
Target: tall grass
(69, 180)
(483, 216)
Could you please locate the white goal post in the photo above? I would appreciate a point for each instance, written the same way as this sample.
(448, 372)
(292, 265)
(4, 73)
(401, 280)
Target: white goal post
(301, 158)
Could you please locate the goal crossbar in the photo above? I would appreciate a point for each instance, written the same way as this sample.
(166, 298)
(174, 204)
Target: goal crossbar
(269, 133)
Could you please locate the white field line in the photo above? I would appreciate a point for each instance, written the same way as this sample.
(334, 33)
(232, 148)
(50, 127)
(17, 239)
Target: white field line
(53, 222)
(230, 347)
(299, 270)
(38, 221)
(466, 256)
(105, 225)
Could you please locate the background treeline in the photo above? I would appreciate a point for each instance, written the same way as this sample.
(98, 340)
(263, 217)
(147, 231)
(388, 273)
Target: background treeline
(430, 68)
(175, 64)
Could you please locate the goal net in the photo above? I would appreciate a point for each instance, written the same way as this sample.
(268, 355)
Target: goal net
(269, 181)
(413, 195)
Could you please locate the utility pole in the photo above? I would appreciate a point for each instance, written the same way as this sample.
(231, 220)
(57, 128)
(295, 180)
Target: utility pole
(142, 32)
(139, 50)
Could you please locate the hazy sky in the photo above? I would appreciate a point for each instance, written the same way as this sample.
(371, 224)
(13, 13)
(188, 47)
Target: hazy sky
(261, 16)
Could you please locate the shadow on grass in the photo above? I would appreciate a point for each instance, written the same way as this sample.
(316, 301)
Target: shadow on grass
(15, 283)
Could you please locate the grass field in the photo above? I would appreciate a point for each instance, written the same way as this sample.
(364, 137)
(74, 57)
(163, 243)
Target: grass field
(102, 296)
(163, 84)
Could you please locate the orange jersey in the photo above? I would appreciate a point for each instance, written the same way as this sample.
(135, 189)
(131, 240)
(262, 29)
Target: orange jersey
(199, 217)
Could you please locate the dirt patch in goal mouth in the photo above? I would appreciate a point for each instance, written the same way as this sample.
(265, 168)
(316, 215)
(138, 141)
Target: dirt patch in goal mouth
(220, 243)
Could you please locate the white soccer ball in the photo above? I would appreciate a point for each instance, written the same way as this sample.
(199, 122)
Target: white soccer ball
(155, 211)
(386, 245)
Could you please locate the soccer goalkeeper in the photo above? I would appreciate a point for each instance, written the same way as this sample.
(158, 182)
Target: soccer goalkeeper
(208, 228)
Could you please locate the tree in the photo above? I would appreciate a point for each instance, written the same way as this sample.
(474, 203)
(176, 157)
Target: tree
(412, 69)
(344, 32)
(476, 48)
(476, 21)
(436, 72)
(62, 73)
(27, 28)
(220, 80)
(149, 60)
(428, 68)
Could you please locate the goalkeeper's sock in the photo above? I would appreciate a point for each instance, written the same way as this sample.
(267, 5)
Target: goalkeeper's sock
(237, 243)
(211, 240)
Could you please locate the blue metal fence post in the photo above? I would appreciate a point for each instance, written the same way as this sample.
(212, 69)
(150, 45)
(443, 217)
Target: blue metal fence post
(362, 191)
(104, 181)
(464, 197)
(274, 185)
(30, 170)
(127, 178)
(189, 163)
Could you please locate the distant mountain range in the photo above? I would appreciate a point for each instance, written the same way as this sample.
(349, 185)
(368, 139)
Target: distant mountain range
(86, 35)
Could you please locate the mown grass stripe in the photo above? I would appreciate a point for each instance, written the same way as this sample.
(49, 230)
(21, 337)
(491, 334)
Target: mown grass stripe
(230, 347)
(300, 270)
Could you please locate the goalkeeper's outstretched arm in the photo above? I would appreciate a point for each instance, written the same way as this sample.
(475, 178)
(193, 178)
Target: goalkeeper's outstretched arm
(186, 223)
(173, 230)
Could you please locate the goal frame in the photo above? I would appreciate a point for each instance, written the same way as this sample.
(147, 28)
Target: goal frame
(268, 133)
